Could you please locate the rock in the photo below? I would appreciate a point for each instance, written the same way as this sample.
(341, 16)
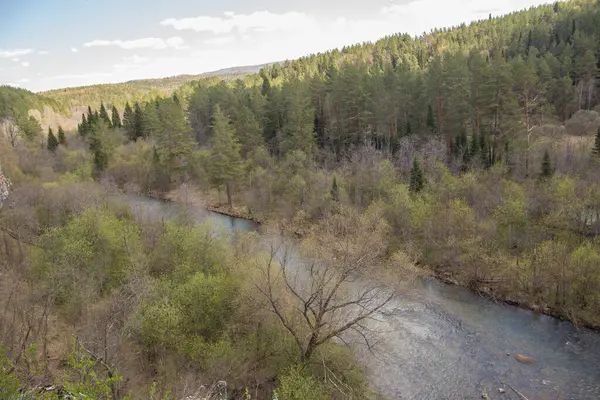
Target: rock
(524, 359)
(546, 382)
(502, 391)
(484, 396)
(508, 354)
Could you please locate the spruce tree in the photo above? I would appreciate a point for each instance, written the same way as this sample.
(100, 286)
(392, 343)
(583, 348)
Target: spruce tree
(116, 118)
(52, 141)
(417, 180)
(129, 122)
(430, 119)
(82, 128)
(546, 166)
(225, 159)
(104, 115)
(596, 149)
(62, 139)
(138, 121)
(335, 190)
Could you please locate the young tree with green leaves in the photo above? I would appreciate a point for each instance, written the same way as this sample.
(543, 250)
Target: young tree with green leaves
(52, 141)
(417, 180)
(62, 139)
(225, 161)
(116, 118)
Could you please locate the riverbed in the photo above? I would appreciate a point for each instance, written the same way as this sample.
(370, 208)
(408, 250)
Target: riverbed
(439, 341)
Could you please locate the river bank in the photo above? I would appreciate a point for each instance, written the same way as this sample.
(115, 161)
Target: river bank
(442, 341)
(190, 195)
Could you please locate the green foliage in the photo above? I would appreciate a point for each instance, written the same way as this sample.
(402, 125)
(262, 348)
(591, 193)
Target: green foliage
(52, 141)
(129, 123)
(87, 258)
(104, 116)
(417, 180)
(596, 149)
(546, 170)
(298, 384)
(116, 118)
(62, 139)
(225, 161)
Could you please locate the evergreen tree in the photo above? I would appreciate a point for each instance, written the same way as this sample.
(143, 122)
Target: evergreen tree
(596, 149)
(129, 123)
(52, 141)
(138, 121)
(104, 115)
(417, 180)
(335, 190)
(62, 139)
(225, 159)
(546, 171)
(82, 128)
(431, 125)
(116, 118)
(174, 142)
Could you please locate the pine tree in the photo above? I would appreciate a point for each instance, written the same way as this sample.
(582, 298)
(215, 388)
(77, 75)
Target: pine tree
(104, 115)
(596, 149)
(431, 125)
(335, 190)
(417, 180)
(138, 118)
(116, 118)
(129, 123)
(52, 141)
(82, 128)
(62, 139)
(546, 166)
(225, 159)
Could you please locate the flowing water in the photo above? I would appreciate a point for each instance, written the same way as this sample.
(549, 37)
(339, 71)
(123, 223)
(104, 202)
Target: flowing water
(444, 342)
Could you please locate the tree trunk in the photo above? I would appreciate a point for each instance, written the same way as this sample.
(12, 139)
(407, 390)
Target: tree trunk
(228, 189)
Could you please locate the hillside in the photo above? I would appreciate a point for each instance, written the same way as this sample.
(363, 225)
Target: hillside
(138, 90)
(470, 154)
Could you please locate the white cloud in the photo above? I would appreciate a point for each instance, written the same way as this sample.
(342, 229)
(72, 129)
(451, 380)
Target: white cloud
(43, 52)
(14, 53)
(421, 16)
(262, 21)
(220, 40)
(25, 64)
(74, 49)
(175, 42)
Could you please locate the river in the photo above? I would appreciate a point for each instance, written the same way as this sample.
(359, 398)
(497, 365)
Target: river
(444, 342)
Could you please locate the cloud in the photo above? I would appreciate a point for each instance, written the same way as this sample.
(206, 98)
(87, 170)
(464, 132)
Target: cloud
(25, 64)
(220, 40)
(74, 49)
(43, 52)
(449, 13)
(14, 53)
(262, 21)
(175, 42)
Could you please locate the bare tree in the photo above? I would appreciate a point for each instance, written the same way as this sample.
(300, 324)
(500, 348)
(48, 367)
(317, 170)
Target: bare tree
(323, 299)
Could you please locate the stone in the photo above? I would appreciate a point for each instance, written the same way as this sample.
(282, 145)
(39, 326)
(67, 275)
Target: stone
(502, 391)
(484, 396)
(524, 359)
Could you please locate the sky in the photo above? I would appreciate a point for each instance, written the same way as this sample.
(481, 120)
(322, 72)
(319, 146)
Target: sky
(49, 44)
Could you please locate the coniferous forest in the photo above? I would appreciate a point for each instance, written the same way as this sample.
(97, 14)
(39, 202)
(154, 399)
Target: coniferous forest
(470, 153)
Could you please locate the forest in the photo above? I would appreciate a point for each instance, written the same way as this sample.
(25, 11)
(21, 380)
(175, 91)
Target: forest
(469, 153)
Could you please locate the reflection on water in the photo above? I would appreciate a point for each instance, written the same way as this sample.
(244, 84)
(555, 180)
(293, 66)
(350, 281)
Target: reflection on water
(444, 342)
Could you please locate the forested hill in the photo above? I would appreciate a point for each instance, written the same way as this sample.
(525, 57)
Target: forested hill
(498, 76)
(139, 90)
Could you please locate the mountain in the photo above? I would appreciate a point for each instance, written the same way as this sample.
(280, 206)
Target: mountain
(138, 90)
